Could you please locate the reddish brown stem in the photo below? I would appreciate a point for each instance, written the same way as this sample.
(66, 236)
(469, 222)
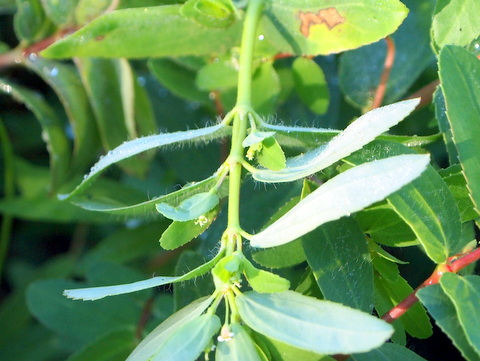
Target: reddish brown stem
(465, 260)
(146, 312)
(426, 93)
(282, 55)
(387, 68)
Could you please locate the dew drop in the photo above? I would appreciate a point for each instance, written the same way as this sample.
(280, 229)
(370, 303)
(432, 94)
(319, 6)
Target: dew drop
(261, 37)
(33, 57)
(6, 88)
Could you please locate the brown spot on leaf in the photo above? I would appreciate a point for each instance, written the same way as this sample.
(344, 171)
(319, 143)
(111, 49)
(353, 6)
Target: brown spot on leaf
(100, 37)
(329, 17)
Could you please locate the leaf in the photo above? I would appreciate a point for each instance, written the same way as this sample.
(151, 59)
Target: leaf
(286, 255)
(145, 32)
(426, 205)
(271, 155)
(311, 85)
(355, 136)
(462, 91)
(180, 233)
(213, 14)
(136, 146)
(265, 88)
(389, 352)
(464, 292)
(384, 226)
(90, 320)
(96, 293)
(190, 340)
(30, 21)
(262, 281)
(151, 344)
(191, 208)
(178, 79)
(440, 306)
(113, 346)
(339, 257)
(66, 82)
(454, 22)
(311, 324)
(218, 75)
(239, 348)
(346, 193)
(87, 10)
(444, 125)
(313, 28)
(415, 320)
(360, 69)
(60, 11)
(54, 135)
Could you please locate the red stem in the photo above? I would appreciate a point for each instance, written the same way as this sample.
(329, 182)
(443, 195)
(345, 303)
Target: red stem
(387, 68)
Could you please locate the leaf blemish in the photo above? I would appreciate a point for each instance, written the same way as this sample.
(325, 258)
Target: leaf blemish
(329, 17)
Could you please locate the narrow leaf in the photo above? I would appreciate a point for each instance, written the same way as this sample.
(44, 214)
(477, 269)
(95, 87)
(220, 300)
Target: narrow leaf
(96, 293)
(462, 94)
(355, 136)
(262, 281)
(191, 208)
(150, 345)
(346, 193)
(311, 324)
(464, 292)
(388, 352)
(136, 146)
(239, 348)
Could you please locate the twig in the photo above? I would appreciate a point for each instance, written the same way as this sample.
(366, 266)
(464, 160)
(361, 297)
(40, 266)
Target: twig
(425, 94)
(387, 68)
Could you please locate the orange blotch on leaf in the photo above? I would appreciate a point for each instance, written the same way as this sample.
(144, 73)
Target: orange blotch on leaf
(330, 17)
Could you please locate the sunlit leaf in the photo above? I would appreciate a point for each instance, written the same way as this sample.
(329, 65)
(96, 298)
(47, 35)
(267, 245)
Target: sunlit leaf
(191, 208)
(60, 11)
(346, 193)
(311, 85)
(355, 136)
(311, 324)
(262, 281)
(214, 14)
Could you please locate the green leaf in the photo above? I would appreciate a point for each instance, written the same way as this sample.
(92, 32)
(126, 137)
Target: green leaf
(190, 340)
(136, 146)
(385, 226)
(426, 205)
(355, 136)
(455, 22)
(389, 352)
(239, 348)
(54, 135)
(113, 346)
(311, 324)
(90, 320)
(60, 11)
(180, 233)
(444, 125)
(313, 27)
(265, 88)
(210, 13)
(262, 281)
(30, 21)
(440, 306)
(464, 292)
(462, 92)
(456, 182)
(177, 78)
(311, 85)
(65, 81)
(346, 193)
(271, 155)
(339, 258)
(286, 255)
(87, 10)
(151, 344)
(361, 69)
(218, 75)
(415, 320)
(191, 208)
(96, 293)
(145, 32)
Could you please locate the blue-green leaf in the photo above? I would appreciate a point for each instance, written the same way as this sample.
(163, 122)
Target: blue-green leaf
(191, 208)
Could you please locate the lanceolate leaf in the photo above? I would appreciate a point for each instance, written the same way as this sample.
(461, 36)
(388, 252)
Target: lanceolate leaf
(136, 146)
(318, 27)
(189, 340)
(151, 344)
(311, 324)
(191, 208)
(355, 136)
(262, 281)
(346, 193)
(464, 292)
(462, 94)
(443, 311)
(145, 32)
(96, 293)
(389, 352)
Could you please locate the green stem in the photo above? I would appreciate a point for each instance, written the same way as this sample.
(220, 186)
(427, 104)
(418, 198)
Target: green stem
(240, 122)
(9, 191)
